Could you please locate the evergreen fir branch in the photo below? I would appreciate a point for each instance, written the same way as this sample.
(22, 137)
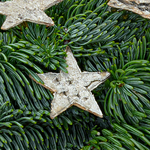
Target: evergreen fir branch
(89, 25)
(127, 96)
(49, 52)
(35, 130)
(119, 139)
(107, 39)
(15, 68)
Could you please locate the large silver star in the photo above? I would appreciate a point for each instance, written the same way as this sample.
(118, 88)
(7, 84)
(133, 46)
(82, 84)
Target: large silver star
(73, 88)
(18, 11)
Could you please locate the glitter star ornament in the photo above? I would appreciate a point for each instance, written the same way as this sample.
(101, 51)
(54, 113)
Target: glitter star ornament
(73, 88)
(141, 7)
(18, 11)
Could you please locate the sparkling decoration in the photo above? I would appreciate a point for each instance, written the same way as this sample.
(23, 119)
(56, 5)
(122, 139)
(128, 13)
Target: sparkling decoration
(18, 11)
(73, 88)
(141, 7)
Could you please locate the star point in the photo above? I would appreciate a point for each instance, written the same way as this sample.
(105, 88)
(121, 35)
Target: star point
(18, 11)
(73, 88)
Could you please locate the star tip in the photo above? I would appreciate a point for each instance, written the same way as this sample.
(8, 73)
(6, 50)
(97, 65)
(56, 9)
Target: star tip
(108, 73)
(101, 116)
(105, 74)
(98, 114)
(2, 28)
(52, 116)
(68, 49)
(52, 24)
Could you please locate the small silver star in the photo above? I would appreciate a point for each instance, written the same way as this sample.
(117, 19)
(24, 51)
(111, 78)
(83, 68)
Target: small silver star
(18, 11)
(141, 7)
(73, 88)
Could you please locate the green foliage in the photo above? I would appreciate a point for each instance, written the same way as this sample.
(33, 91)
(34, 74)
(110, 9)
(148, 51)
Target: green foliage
(48, 51)
(107, 40)
(89, 28)
(127, 94)
(123, 137)
(15, 66)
